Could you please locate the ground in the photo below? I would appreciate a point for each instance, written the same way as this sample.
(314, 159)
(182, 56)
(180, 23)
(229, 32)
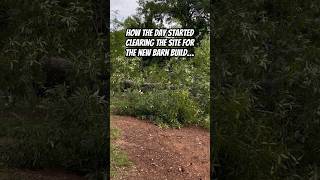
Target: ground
(155, 154)
(158, 153)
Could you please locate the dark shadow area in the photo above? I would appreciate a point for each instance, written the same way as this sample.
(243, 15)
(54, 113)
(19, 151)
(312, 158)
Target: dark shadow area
(265, 87)
(54, 88)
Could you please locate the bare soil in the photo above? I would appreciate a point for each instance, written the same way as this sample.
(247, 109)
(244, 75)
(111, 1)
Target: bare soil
(162, 154)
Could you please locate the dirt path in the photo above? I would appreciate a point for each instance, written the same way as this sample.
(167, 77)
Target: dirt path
(160, 154)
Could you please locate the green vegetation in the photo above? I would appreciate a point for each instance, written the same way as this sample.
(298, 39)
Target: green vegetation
(51, 106)
(118, 158)
(266, 89)
(266, 83)
(175, 93)
(168, 91)
(38, 141)
(172, 107)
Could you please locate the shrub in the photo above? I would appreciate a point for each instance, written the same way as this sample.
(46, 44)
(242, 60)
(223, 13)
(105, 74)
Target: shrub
(71, 135)
(183, 94)
(175, 108)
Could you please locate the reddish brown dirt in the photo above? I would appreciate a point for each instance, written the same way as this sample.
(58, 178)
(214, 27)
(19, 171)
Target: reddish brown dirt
(162, 154)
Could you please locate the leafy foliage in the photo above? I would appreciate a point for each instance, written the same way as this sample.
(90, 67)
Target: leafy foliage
(172, 107)
(70, 136)
(181, 96)
(267, 89)
(61, 127)
(187, 14)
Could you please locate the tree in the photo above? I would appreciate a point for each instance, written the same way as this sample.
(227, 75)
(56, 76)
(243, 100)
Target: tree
(188, 14)
(267, 93)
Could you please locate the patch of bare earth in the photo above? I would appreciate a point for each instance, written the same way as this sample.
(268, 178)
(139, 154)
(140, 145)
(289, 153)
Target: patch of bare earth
(160, 154)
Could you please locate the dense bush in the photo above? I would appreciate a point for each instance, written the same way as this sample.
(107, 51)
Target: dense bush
(182, 93)
(63, 126)
(34, 31)
(175, 108)
(69, 136)
(266, 89)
